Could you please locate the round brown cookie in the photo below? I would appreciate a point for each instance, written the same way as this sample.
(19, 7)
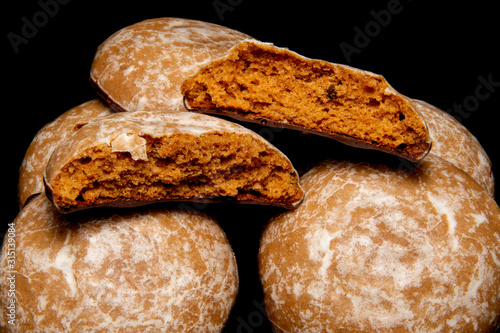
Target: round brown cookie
(153, 270)
(142, 66)
(377, 249)
(43, 144)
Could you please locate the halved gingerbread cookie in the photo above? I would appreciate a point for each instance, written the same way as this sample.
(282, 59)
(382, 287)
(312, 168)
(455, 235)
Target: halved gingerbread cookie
(260, 82)
(133, 158)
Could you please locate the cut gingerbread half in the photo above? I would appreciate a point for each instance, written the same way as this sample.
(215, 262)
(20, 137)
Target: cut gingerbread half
(140, 157)
(260, 82)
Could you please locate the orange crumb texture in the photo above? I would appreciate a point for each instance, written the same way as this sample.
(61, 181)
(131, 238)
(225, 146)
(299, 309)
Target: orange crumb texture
(212, 166)
(259, 81)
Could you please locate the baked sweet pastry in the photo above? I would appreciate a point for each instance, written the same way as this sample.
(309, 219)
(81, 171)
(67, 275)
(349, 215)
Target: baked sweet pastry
(263, 83)
(132, 158)
(142, 270)
(43, 144)
(142, 66)
(377, 249)
(455, 143)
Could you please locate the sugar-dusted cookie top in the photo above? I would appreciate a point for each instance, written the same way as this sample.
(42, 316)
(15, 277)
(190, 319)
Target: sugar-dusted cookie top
(142, 66)
(456, 144)
(374, 248)
(141, 270)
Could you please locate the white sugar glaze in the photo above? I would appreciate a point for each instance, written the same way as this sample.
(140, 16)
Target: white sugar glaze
(376, 249)
(47, 139)
(454, 143)
(148, 270)
(142, 66)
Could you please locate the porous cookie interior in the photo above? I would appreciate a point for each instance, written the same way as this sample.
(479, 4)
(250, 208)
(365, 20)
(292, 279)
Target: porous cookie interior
(258, 81)
(179, 167)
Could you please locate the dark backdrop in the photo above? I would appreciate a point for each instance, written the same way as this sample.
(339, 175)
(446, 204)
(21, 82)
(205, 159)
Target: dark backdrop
(438, 53)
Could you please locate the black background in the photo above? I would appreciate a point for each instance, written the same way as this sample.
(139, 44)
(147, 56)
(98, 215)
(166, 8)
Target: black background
(431, 52)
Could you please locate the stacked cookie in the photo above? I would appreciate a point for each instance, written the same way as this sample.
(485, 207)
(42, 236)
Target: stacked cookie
(364, 244)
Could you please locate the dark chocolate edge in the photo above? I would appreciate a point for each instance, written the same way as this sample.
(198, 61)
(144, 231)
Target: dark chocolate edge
(106, 97)
(139, 203)
(347, 140)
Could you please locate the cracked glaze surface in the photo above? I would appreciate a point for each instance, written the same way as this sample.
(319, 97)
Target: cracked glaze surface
(47, 139)
(142, 271)
(454, 143)
(142, 66)
(376, 249)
